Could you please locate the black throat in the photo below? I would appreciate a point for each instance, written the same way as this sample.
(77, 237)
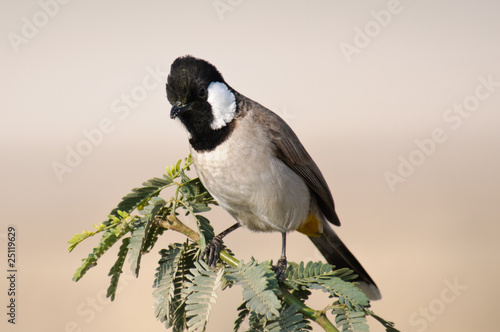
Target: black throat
(205, 139)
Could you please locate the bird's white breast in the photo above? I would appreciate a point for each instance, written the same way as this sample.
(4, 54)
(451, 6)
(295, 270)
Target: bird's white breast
(249, 182)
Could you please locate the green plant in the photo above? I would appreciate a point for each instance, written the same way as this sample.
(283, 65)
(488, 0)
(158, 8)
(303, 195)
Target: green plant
(185, 287)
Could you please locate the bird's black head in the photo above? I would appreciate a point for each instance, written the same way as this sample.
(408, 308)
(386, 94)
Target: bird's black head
(200, 98)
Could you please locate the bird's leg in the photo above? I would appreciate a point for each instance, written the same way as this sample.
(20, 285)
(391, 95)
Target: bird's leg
(211, 253)
(280, 268)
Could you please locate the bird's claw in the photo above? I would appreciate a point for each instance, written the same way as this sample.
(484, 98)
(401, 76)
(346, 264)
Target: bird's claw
(280, 269)
(212, 251)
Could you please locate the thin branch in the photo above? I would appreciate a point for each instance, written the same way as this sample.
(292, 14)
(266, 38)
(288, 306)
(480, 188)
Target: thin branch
(318, 316)
(173, 223)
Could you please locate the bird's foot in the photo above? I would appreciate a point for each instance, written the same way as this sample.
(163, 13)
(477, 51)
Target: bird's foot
(280, 269)
(212, 251)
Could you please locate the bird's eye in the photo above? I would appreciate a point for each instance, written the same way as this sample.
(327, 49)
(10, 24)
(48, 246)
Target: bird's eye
(202, 93)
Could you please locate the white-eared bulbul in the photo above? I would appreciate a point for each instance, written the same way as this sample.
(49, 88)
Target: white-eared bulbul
(254, 166)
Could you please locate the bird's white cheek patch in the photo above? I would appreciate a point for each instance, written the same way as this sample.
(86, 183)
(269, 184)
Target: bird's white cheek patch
(223, 104)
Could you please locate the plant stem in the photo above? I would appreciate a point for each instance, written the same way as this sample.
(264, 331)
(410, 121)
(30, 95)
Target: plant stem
(173, 223)
(318, 316)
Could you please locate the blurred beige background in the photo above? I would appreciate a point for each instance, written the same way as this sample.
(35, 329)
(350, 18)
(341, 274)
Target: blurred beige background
(364, 85)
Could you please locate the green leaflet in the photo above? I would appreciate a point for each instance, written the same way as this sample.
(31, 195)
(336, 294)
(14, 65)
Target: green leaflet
(243, 313)
(300, 274)
(201, 288)
(152, 233)
(289, 320)
(321, 276)
(78, 238)
(350, 321)
(117, 269)
(175, 170)
(259, 287)
(389, 326)
(155, 209)
(164, 280)
(135, 245)
(348, 294)
(113, 221)
(205, 230)
(170, 281)
(139, 238)
(109, 238)
(193, 196)
(140, 196)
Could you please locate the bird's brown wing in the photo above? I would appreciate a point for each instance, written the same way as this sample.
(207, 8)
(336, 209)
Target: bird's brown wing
(289, 150)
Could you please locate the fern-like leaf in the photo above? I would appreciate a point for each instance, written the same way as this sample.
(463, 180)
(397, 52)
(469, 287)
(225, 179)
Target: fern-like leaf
(290, 320)
(152, 234)
(78, 238)
(301, 294)
(205, 230)
(109, 238)
(349, 320)
(347, 293)
(152, 231)
(194, 196)
(140, 196)
(170, 281)
(259, 287)
(177, 170)
(164, 280)
(202, 286)
(322, 276)
(138, 238)
(303, 275)
(256, 322)
(117, 269)
(243, 313)
(179, 319)
(135, 245)
(389, 326)
(174, 170)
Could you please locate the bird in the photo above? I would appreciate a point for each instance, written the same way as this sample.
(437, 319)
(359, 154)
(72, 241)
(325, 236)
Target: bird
(255, 167)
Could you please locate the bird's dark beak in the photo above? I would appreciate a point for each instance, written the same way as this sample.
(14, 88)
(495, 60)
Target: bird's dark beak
(178, 108)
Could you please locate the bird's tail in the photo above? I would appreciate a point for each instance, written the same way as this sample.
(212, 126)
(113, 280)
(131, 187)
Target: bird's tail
(336, 253)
